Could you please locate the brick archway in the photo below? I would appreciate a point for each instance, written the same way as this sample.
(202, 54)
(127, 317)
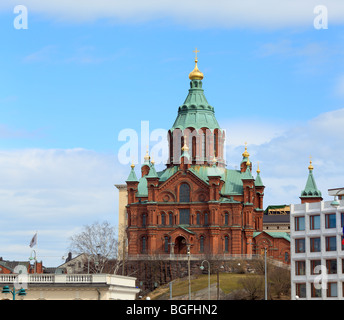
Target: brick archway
(180, 246)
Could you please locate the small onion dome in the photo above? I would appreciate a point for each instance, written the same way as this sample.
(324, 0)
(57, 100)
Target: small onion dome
(195, 74)
(245, 154)
(310, 167)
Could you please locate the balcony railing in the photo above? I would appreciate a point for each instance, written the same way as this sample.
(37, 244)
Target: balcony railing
(53, 278)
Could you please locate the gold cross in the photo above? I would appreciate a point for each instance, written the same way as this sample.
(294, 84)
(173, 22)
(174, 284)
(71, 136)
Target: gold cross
(196, 51)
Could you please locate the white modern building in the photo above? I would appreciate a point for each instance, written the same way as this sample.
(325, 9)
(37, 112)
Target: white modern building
(317, 253)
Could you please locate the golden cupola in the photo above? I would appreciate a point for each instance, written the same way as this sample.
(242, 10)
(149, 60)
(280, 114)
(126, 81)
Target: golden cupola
(195, 74)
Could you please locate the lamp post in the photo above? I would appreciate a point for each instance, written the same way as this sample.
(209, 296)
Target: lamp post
(34, 257)
(202, 268)
(218, 281)
(188, 253)
(266, 276)
(21, 292)
(265, 244)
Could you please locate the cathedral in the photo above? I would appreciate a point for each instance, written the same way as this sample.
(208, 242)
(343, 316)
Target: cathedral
(195, 205)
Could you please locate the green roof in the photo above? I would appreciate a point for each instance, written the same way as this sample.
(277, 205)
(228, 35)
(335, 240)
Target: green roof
(196, 111)
(311, 190)
(233, 178)
(132, 176)
(152, 172)
(258, 182)
(283, 235)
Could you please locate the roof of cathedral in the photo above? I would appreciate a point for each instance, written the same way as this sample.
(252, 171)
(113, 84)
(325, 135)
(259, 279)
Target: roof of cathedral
(311, 190)
(284, 235)
(196, 112)
(233, 184)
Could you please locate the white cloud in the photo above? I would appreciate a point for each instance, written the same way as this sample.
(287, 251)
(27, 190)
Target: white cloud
(203, 13)
(285, 158)
(54, 192)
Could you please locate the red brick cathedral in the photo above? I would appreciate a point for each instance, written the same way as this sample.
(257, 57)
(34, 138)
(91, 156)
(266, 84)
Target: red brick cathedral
(196, 203)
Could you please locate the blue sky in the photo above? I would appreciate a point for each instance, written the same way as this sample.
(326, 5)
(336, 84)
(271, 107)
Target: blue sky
(82, 73)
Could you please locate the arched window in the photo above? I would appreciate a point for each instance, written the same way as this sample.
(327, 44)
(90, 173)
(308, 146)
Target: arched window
(166, 244)
(226, 219)
(163, 219)
(203, 146)
(144, 244)
(206, 219)
(226, 243)
(144, 220)
(201, 244)
(184, 193)
(198, 218)
(171, 218)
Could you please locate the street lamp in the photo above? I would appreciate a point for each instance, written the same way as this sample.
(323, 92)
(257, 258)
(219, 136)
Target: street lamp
(21, 292)
(335, 203)
(218, 281)
(189, 271)
(202, 268)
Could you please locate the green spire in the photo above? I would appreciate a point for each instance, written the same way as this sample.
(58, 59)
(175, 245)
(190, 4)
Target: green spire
(258, 182)
(152, 172)
(132, 175)
(311, 190)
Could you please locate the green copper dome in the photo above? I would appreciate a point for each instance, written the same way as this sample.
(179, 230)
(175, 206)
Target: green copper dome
(196, 112)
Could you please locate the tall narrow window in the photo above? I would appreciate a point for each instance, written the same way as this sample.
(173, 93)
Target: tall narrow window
(184, 216)
(206, 219)
(144, 220)
(226, 243)
(198, 218)
(201, 244)
(171, 219)
(163, 222)
(203, 146)
(226, 219)
(184, 193)
(144, 245)
(300, 268)
(215, 145)
(166, 244)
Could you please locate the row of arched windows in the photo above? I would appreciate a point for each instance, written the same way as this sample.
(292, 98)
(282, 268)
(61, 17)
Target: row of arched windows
(169, 219)
(203, 144)
(167, 243)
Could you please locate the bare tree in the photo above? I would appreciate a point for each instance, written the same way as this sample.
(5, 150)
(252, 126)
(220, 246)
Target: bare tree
(100, 245)
(253, 286)
(280, 281)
